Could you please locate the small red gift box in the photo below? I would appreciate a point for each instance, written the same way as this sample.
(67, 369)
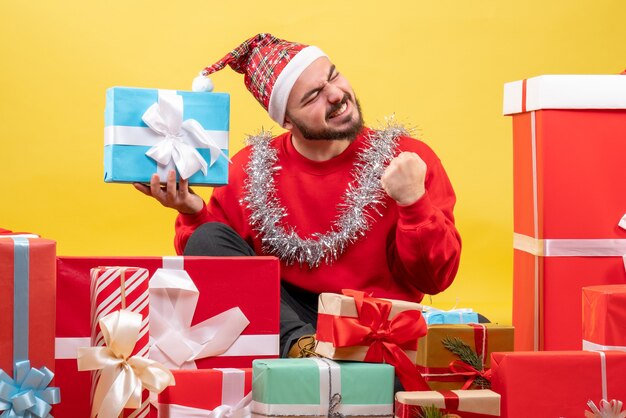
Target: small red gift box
(556, 383)
(604, 317)
(568, 171)
(203, 391)
(250, 283)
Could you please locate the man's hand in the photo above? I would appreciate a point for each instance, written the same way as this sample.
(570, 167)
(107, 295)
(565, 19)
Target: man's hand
(181, 198)
(403, 180)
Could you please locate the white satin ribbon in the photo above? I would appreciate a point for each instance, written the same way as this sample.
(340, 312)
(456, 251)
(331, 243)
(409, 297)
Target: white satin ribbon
(330, 382)
(570, 247)
(240, 410)
(608, 409)
(573, 247)
(179, 138)
(605, 390)
(175, 343)
(590, 346)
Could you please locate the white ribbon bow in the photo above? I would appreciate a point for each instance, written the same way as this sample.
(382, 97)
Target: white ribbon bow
(608, 409)
(240, 410)
(174, 342)
(165, 117)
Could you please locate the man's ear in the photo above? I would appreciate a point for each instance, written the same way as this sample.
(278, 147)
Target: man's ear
(287, 124)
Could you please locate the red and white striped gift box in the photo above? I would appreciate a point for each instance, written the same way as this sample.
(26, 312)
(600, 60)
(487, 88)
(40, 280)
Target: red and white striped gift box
(112, 289)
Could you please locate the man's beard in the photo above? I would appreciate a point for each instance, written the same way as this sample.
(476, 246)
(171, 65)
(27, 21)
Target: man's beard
(331, 134)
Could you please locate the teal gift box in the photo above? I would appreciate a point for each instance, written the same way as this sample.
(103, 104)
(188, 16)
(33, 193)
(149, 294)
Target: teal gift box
(151, 131)
(319, 387)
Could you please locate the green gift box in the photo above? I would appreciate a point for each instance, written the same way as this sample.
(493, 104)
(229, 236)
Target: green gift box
(319, 387)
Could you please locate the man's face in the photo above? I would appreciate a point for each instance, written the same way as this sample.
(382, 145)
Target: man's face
(322, 105)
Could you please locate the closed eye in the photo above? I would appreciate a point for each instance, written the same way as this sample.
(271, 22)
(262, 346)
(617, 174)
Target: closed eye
(312, 94)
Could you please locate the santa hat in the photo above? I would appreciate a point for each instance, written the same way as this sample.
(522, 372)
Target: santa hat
(271, 67)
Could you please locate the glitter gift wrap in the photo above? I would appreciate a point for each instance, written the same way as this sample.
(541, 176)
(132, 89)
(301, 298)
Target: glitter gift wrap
(317, 387)
(568, 193)
(151, 131)
(250, 283)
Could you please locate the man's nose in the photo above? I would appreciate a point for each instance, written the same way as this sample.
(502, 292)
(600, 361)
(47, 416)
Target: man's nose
(335, 94)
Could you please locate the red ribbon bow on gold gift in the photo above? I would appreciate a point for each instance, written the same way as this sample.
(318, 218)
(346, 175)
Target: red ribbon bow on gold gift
(386, 338)
(463, 369)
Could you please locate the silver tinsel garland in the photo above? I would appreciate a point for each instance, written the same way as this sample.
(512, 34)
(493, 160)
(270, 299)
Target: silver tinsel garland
(363, 193)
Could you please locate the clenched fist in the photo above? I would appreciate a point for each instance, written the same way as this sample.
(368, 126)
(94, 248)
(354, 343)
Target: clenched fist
(403, 180)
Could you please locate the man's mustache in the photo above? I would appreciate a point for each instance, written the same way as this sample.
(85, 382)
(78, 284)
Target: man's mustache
(337, 106)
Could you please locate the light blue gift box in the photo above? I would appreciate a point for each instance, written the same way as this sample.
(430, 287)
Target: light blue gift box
(452, 317)
(319, 387)
(128, 137)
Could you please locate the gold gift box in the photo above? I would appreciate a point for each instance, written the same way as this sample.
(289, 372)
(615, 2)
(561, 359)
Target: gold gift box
(432, 354)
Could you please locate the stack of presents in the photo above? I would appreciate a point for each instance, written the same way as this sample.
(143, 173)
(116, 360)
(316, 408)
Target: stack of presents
(199, 336)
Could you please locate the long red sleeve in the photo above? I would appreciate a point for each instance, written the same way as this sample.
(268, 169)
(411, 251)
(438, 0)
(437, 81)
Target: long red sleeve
(407, 252)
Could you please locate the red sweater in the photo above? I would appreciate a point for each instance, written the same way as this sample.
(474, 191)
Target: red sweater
(407, 252)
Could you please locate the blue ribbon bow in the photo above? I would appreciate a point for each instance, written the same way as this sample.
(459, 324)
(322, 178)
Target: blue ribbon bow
(27, 395)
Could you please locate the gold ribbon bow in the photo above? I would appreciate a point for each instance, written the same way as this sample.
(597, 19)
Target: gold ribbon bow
(123, 377)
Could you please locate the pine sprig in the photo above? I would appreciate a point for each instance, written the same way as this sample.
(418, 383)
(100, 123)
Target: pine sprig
(429, 412)
(467, 355)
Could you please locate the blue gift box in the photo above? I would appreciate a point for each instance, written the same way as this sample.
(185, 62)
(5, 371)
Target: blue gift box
(455, 316)
(192, 127)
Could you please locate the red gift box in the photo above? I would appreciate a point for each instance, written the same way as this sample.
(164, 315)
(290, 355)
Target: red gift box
(27, 301)
(250, 283)
(556, 383)
(604, 317)
(204, 391)
(568, 147)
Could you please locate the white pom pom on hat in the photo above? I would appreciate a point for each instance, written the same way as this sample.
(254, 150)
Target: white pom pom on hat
(202, 83)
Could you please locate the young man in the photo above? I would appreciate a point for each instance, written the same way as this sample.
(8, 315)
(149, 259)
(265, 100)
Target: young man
(343, 206)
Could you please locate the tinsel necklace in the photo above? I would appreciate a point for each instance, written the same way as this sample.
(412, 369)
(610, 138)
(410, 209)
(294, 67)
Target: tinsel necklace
(364, 193)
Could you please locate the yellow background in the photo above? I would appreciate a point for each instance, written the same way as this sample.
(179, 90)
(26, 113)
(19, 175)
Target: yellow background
(438, 65)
